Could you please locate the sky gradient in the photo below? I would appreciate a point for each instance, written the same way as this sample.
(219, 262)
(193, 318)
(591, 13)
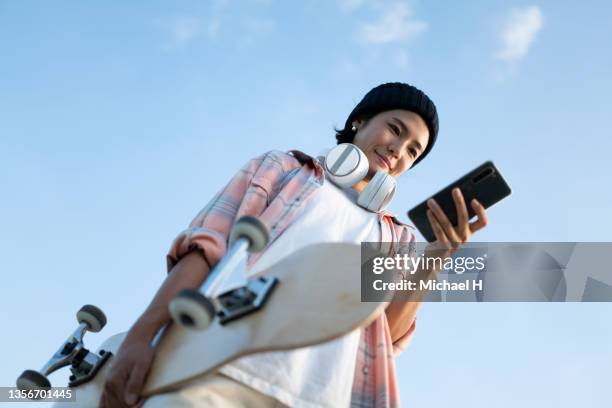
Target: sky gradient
(119, 122)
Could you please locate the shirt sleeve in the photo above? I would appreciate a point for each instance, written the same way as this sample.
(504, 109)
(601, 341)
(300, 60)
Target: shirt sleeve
(247, 193)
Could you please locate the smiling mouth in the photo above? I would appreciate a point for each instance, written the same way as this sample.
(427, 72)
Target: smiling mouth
(384, 160)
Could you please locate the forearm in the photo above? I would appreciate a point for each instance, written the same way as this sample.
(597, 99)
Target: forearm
(400, 315)
(402, 309)
(189, 272)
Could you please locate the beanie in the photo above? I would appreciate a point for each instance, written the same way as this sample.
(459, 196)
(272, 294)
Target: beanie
(397, 95)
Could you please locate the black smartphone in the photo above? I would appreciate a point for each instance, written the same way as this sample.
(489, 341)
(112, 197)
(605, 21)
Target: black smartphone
(485, 183)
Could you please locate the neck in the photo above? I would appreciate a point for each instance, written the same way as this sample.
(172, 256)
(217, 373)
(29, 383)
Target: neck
(363, 183)
(360, 186)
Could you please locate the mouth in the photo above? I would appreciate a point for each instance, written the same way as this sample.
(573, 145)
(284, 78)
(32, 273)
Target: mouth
(384, 161)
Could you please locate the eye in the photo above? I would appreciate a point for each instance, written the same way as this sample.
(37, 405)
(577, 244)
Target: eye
(412, 151)
(394, 128)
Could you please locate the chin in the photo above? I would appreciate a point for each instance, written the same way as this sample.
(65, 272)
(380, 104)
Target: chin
(373, 171)
(381, 168)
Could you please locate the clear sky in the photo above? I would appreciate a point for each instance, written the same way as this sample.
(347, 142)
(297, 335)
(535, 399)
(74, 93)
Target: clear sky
(119, 121)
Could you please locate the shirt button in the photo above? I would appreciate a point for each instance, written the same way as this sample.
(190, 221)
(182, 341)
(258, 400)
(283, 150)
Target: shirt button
(364, 370)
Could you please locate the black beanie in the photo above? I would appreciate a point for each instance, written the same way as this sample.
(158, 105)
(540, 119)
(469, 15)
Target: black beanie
(397, 95)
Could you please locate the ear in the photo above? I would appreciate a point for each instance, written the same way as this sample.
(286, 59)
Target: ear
(358, 123)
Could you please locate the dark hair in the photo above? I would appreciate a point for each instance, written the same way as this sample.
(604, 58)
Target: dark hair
(389, 96)
(347, 135)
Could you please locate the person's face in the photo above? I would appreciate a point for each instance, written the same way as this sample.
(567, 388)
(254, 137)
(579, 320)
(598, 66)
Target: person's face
(392, 140)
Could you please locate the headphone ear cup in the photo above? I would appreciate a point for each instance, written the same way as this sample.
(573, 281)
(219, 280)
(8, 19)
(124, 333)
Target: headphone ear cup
(378, 193)
(346, 165)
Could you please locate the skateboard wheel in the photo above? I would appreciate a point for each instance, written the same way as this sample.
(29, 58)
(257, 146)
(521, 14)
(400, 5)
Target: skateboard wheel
(32, 380)
(93, 316)
(253, 229)
(191, 309)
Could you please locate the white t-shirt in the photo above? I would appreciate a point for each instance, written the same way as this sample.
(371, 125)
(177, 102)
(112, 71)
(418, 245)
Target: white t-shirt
(322, 375)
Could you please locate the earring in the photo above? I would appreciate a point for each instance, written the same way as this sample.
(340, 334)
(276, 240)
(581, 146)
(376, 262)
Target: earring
(354, 128)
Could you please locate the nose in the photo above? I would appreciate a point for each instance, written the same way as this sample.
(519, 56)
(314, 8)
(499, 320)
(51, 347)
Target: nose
(394, 148)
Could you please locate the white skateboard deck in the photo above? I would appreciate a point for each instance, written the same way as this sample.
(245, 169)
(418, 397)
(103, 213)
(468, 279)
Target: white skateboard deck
(317, 299)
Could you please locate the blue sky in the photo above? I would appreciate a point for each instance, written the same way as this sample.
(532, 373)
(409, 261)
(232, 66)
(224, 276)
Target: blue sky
(119, 122)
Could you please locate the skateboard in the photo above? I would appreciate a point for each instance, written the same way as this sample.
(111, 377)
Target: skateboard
(311, 296)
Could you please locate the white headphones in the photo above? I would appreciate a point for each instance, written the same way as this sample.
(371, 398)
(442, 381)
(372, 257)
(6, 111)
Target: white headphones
(346, 165)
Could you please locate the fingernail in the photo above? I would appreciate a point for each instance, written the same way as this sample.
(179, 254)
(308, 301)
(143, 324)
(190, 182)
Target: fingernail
(430, 201)
(130, 399)
(475, 202)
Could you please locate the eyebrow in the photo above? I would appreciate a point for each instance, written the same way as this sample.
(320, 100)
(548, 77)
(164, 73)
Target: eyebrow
(405, 130)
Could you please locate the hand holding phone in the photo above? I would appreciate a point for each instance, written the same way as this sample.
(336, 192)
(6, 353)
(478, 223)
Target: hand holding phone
(485, 183)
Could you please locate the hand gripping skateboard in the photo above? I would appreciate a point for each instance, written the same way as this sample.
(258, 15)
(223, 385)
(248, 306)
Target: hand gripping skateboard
(311, 296)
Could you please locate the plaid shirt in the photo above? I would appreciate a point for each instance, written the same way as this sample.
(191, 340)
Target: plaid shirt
(274, 187)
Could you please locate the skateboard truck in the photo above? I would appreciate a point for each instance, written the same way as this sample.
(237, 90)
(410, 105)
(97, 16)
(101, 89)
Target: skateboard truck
(242, 301)
(84, 364)
(196, 309)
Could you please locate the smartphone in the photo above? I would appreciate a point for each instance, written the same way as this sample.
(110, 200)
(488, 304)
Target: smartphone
(485, 183)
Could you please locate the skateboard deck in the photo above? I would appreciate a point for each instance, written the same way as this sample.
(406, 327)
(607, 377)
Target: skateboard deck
(318, 299)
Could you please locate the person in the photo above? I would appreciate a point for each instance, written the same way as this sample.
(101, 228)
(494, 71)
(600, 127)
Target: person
(396, 126)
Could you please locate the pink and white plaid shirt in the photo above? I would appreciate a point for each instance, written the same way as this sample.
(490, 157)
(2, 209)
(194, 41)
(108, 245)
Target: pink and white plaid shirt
(273, 187)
